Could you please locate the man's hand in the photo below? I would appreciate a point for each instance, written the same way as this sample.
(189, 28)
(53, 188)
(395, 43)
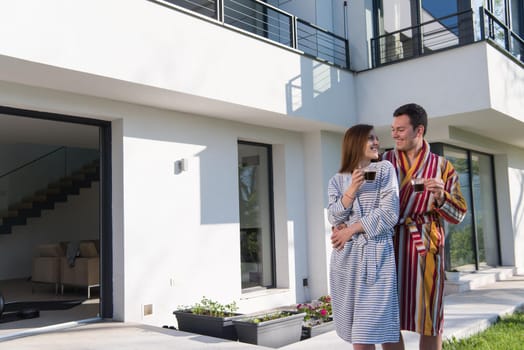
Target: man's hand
(436, 186)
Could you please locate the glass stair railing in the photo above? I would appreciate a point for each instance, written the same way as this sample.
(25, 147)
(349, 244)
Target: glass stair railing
(39, 184)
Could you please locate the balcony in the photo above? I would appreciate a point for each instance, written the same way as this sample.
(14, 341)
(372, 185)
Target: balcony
(255, 17)
(444, 33)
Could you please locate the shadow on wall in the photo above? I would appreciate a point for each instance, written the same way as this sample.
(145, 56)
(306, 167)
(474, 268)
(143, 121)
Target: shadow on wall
(321, 92)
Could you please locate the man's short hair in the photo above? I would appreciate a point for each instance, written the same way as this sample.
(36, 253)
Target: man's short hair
(417, 115)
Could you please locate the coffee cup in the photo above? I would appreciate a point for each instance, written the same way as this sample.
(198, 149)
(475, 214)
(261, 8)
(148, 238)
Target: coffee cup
(370, 173)
(418, 185)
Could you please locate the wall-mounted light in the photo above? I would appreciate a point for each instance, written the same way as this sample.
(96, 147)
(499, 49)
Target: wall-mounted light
(180, 165)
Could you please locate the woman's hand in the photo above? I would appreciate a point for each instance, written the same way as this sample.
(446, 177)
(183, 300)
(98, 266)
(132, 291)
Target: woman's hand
(340, 235)
(357, 179)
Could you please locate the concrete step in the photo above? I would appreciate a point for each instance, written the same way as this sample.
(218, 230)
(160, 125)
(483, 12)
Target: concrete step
(459, 282)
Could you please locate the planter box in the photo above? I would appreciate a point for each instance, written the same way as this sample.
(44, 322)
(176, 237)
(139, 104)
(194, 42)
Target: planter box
(219, 327)
(273, 333)
(309, 332)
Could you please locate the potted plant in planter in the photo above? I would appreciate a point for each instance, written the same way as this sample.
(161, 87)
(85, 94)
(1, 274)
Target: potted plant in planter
(274, 329)
(318, 317)
(208, 317)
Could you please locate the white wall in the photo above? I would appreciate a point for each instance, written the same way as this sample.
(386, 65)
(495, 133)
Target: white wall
(506, 82)
(175, 237)
(75, 219)
(447, 83)
(181, 231)
(133, 50)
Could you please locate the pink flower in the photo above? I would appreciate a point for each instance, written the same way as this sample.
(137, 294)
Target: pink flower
(323, 312)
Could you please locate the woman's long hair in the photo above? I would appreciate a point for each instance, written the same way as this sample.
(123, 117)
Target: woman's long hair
(353, 145)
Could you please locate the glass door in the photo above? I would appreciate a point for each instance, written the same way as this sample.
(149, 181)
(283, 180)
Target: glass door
(485, 210)
(460, 240)
(474, 243)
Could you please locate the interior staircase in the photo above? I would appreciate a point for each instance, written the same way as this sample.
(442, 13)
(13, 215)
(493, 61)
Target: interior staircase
(31, 207)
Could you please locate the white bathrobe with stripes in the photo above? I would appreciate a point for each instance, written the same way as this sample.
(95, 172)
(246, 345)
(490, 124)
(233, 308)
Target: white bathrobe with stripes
(363, 283)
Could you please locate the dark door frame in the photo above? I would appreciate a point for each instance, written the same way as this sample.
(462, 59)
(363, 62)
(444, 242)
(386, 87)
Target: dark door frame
(106, 231)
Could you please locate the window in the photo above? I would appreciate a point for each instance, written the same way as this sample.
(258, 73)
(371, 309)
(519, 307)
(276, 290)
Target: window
(517, 17)
(473, 244)
(417, 27)
(392, 16)
(256, 215)
(449, 29)
(485, 209)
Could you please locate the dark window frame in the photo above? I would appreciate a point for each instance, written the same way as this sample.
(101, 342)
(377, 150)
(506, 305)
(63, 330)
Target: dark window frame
(269, 149)
(106, 225)
(438, 148)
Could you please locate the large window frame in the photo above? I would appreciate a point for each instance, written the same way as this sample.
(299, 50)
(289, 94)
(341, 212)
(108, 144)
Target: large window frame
(257, 234)
(439, 148)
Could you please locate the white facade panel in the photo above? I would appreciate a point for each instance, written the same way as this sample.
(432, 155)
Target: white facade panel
(446, 83)
(506, 84)
(142, 52)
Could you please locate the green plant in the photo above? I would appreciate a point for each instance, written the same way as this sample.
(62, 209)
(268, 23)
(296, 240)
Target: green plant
(211, 308)
(317, 311)
(269, 316)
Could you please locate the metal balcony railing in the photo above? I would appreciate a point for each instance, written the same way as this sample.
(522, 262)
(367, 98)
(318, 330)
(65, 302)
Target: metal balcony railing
(269, 22)
(496, 31)
(443, 33)
(428, 37)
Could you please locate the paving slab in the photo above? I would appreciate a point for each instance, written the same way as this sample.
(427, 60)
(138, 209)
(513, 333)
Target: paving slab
(465, 314)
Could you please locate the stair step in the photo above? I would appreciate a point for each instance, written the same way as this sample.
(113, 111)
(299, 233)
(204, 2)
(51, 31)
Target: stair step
(48, 191)
(8, 213)
(57, 191)
(5, 229)
(57, 197)
(85, 175)
(35, 198)
(458, 282)
(17, 220)
(21, 205)
(47, 204)
(30, 213)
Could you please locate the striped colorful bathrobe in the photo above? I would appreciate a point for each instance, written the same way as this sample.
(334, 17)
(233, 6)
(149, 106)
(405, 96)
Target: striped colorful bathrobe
(419, 239)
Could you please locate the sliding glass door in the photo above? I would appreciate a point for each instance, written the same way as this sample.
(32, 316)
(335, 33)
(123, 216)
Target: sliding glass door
(473, 244)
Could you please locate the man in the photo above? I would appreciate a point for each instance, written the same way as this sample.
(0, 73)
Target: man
(419, 235)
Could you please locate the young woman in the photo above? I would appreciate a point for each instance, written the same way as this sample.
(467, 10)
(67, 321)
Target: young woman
(363, 214)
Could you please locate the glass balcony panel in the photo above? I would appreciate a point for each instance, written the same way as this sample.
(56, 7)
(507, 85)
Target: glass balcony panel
(258, 19)
(204, 7)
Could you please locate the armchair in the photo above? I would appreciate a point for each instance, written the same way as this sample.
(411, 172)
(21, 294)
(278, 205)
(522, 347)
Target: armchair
(85, 272)
(46, 265)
